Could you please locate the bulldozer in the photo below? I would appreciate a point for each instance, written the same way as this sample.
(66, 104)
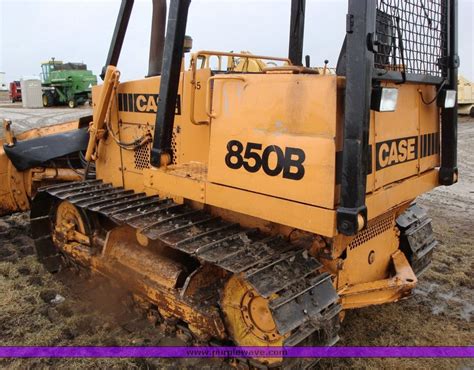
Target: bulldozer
(254, 206)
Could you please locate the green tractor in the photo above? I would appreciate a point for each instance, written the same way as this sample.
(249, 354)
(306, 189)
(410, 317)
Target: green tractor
(66, 83)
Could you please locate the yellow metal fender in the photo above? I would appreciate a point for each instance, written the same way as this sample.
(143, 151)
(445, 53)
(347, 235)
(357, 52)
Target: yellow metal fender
(382, 291)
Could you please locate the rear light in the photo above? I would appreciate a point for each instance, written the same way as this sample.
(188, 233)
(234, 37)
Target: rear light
(384, 99)
(447, 99)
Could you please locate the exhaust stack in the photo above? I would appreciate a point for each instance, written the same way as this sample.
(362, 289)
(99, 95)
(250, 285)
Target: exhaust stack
(157, 39)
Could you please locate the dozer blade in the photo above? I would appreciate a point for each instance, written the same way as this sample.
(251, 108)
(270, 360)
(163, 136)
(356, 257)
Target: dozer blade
(27, 161)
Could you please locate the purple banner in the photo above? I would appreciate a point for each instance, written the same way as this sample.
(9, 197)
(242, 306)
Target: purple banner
(237, 352)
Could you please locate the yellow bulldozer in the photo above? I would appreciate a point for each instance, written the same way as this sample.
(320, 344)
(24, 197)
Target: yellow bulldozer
(257, 205)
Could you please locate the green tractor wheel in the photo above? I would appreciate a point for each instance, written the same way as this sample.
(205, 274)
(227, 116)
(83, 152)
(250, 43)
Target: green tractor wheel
(72, 103)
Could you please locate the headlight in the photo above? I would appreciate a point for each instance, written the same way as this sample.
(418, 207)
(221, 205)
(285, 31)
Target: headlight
(447, 99)
(384, 99)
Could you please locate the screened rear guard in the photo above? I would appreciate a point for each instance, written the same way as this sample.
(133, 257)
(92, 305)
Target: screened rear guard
(411, 42)
(407, 41)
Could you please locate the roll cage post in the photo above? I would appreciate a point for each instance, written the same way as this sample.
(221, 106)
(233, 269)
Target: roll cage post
(352, 212)
(448, 173)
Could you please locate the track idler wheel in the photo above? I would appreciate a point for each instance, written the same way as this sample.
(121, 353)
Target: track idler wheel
(71, 230)
(248, 317)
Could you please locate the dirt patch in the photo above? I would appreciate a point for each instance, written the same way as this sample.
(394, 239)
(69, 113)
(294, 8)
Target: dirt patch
(71, 308)
(93, 312)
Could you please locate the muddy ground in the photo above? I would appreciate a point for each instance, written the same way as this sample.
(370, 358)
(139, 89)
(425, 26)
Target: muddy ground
(33, 312)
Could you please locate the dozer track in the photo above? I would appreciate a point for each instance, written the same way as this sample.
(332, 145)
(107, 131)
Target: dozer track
(302, 300)
(417, 240)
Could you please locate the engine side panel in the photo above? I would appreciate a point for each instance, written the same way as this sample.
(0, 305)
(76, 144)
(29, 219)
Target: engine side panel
(275, 134)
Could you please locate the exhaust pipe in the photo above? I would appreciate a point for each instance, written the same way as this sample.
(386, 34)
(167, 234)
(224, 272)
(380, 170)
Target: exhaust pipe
(157, 40)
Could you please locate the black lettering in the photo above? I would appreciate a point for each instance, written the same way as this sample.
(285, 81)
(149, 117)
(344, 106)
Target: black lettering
(266, 160)
(250, 154)
(143, 103)
(234, 149)
(294, 159)
(393, 152)
(273, 160)
(135, 105)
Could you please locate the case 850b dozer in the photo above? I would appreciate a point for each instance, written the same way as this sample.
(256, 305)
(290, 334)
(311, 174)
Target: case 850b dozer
(257, 207)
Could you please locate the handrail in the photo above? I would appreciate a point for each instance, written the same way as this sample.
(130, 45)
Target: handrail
(219, 54)
(192, 99)
(240, 55)
(207, 59)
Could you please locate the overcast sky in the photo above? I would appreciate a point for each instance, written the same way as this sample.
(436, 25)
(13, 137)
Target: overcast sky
(33, 31)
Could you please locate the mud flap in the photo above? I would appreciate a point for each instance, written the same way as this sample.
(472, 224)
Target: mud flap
(417, 240)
